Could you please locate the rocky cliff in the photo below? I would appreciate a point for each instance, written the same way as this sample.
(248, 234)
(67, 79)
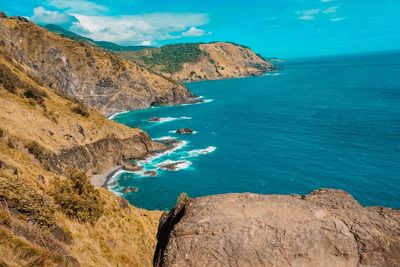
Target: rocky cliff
(324, 228)
(50, 215)
(196, 62)
(81, 71)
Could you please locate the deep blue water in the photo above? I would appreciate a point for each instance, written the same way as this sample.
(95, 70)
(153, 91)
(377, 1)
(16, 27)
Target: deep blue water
(328, 122)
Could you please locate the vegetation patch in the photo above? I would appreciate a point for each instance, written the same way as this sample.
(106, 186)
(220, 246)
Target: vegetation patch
(27, 203)
(171, 57)
(78, 198)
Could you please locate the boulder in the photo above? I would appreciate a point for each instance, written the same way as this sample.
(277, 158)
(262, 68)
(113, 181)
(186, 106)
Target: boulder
(131, 167)
(324, 228)
(150, 173)
(184, 131)
(173, 166)
(154, 119)
(130, 190)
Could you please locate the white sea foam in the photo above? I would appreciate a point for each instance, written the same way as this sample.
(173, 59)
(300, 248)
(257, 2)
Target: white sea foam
(273, 74)
(116, 114)
(198, 152)
(178, 165)
(180, 145)
(163, 138)
(167, 119)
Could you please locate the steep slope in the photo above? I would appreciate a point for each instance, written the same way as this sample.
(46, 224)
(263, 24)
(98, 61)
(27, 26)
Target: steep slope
(49, 213)
(324, 228)
(194, 62)
(77, 70)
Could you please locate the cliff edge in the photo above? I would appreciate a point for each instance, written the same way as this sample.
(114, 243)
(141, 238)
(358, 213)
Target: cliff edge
(324, 228)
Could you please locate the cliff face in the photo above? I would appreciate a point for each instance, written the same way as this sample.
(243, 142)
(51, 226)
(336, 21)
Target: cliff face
(324, 228)
(49, 215)
(196, 62)
(77, 70)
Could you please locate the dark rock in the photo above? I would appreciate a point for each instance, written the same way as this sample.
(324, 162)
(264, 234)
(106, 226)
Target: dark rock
(324, 228)
(130, 190)
(170, 166)
(184, 131)
(131, 167)
(123, 203)
(150, 173)
(154, 119)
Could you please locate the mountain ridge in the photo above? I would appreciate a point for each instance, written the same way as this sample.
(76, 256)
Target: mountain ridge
(187, 62)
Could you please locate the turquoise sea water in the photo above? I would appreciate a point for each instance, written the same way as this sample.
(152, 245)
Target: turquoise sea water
(327, 122)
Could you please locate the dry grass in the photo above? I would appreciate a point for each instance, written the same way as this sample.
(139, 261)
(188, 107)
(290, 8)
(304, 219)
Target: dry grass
(121, 237)
(36, 122)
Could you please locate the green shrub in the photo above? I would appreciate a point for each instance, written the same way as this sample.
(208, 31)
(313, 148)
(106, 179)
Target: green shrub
(170, 58)
(78, 198)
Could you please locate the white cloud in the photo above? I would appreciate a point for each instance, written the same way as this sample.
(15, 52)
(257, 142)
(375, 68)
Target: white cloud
(137, 29)
(78, 6)
(193, 32)
(44, 16)
(330, 10)
(146, 43)
(338, 19)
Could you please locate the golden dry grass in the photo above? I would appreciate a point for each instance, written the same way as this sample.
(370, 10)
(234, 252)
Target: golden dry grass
(121, 237)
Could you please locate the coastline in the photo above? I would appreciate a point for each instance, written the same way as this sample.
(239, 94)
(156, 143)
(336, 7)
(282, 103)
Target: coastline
(101, 179)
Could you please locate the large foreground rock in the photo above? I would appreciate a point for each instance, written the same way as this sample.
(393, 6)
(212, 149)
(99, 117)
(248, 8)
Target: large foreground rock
(324, 228)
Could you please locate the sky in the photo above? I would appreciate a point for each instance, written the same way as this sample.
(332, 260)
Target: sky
(273, 28)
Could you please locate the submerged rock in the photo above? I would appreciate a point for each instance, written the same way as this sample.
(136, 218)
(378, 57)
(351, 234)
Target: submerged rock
(173, 166)
(131, 167)
(184, 131)
(154, 119)
(130, 190)
(150, 173)
(324, 228)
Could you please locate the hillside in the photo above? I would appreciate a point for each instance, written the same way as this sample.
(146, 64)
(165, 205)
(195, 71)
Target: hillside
(206, 61)
(95, 76)
(187, 62)
(50, 215)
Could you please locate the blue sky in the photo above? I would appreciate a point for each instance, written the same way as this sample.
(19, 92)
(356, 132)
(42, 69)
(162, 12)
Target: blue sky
(282, 28)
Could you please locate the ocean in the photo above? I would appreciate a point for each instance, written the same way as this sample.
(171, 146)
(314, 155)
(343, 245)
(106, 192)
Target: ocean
(330, 122)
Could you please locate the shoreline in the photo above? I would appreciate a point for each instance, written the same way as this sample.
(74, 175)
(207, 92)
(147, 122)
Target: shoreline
(101, 179)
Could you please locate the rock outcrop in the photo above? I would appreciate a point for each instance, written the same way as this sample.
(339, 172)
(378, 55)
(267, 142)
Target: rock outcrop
(184, 131)
(80, 71)
(324, 228)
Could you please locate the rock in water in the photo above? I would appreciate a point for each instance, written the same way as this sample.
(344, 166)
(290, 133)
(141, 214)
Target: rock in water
(324, 228)
(154, 119)
(150, 173)
(184, 131)
(130, 190)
